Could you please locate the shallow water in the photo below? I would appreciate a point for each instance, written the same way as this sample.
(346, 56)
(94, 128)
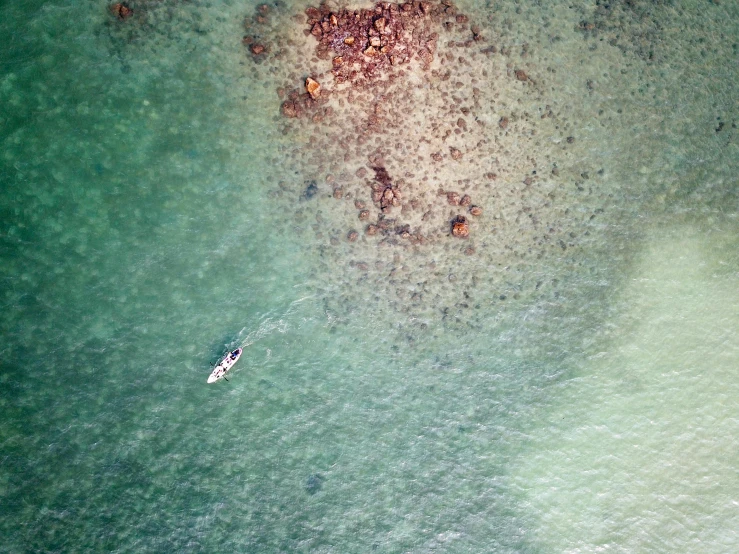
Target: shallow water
(567, 385)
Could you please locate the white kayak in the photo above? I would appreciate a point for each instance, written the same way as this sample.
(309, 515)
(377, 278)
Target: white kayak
(219, 372)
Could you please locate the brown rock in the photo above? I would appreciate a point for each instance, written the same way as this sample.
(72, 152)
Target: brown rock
(370, 51)
(349, 41)
(289, 109)
(364, 214)
(371, 229)
(337, 61)
(359, 204)
(521, 75)
(380, 24)
(121, 10)
(257, 49)
(352, 236)
(452, 198)
(460, 227)
(338, 192)
(503, 123)
(313, 87)
(456, 154)
(465, 200)
(475, 210)
(313, 13)
(436, 156)
(426, 56)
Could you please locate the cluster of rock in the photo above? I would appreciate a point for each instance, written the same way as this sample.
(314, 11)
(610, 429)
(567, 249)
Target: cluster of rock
(364, 44)
(460, 226)
(121, 10)
(367, 48)
(386, 195)
(253, 39)
(306, 101)
(465, 201)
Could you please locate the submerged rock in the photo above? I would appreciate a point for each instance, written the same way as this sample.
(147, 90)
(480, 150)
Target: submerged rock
(314, 483)
(289, 109)
(310, 191)
(368, 41)
(460, 227)
(313, 87)
(385, 193)
(257, 49)
(121, 10)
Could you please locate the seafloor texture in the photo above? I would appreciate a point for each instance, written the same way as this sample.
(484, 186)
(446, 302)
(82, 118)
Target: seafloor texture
(485, 276)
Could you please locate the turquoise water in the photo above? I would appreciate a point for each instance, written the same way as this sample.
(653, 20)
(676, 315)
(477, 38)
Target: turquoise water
(568, 386)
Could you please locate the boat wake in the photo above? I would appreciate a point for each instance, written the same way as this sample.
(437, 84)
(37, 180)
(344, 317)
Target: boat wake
(270, 323)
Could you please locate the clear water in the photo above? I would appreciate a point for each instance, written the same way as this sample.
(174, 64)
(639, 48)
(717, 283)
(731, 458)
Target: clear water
(570, 394)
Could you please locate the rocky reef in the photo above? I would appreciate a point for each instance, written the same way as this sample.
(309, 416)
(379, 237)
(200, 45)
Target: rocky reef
(440, 139)
(369, 48)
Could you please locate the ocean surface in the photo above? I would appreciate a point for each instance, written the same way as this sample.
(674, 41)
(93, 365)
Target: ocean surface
(565, 379)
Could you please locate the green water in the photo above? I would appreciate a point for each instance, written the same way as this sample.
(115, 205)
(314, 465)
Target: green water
(580, 399)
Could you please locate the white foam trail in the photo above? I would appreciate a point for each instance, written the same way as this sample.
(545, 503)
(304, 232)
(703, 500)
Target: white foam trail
(271, 323)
